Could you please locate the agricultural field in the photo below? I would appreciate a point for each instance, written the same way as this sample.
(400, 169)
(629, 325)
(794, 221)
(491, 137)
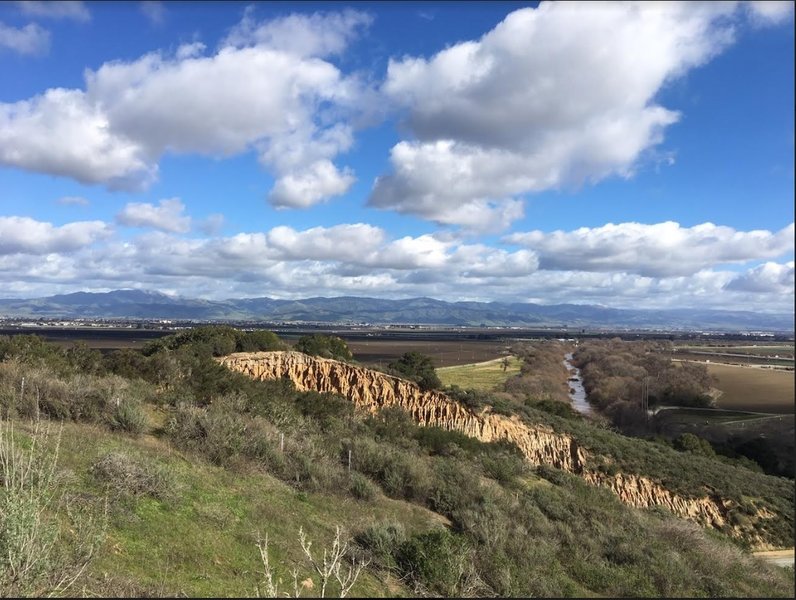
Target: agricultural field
(484, 376)
(373, 350)
(104, 339)
(779, 355)
(781, 350)
(754, 389)
(444, 353)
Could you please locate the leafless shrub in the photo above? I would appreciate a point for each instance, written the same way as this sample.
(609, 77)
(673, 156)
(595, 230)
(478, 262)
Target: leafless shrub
(333, 565)
(33, 562)
(124, 474)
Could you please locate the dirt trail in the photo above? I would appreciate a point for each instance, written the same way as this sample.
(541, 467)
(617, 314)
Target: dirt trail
(739, 366)
(782, 558)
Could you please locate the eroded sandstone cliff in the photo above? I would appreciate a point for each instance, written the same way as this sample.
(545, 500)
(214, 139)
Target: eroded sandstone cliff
(371, 390)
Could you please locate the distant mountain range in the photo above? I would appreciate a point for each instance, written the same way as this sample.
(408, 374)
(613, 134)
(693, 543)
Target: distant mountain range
(137, 304)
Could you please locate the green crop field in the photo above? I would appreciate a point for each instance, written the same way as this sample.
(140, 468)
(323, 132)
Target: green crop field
(485, 376)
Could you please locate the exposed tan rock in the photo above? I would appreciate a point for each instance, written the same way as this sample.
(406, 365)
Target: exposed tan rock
(371, 390)
(640, 491)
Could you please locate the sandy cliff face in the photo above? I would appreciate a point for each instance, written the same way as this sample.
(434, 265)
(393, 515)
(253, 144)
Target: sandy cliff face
(640, 491)
(372, 390)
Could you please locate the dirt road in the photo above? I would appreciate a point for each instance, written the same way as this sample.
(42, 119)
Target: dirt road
(782, 558)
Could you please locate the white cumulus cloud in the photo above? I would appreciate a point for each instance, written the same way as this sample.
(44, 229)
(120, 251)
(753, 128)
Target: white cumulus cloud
(352, 259)
(154, 11)
(340, 242)
(30, 39)
(73, 201)
(315, 183)
(658, 250)
(167, 216)
(317, 34)
(61, 133)
(770, 277)
(766, 12)
(23, 235)
(552, 97)
(55, 9)
(289, 107)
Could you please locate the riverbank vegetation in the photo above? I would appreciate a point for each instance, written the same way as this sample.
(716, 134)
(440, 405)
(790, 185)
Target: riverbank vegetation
(626, 381)
(194, 464)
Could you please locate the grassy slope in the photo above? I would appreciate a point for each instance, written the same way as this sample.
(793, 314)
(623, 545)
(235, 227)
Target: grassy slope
(557, 536)
(484, 376)
(201, 542)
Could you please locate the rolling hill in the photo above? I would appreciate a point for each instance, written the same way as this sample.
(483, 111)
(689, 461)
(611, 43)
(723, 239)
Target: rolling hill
(140, 304)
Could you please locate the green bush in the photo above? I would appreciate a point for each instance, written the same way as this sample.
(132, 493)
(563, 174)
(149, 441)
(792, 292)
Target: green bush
(259, 341)
(128, 416)
(475, 400)
(311, 469)
(329, 411)
(418, 368)
(361, 487)
(215, 340)
(398, 472)
(83, 359)
(688, 442)
(555, 407)
(128, 363)
(28, 391)
(325, 346)
(393, 425)
(402, 477)
(33, 350)
(382, 543)
(503, 469)
(445, 443)
(437, 563)
(222, 437)
(454, 488)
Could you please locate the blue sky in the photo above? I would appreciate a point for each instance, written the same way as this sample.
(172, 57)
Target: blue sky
(629, 155)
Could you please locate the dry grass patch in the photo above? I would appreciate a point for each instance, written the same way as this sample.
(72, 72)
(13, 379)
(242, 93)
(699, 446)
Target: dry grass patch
(758, 390)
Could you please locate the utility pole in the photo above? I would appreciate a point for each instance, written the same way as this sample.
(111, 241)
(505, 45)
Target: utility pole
(645, 397)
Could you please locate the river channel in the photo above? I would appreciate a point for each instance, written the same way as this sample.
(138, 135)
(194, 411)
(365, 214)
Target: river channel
(576, 392)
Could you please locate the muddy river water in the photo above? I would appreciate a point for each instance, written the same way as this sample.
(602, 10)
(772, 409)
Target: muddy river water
(576, 392)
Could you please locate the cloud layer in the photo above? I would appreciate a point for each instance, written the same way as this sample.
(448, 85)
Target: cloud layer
(659, 250)
(556, 97)
(361, 259)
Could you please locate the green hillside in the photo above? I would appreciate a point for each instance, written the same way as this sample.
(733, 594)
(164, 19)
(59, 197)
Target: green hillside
(169, 467)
